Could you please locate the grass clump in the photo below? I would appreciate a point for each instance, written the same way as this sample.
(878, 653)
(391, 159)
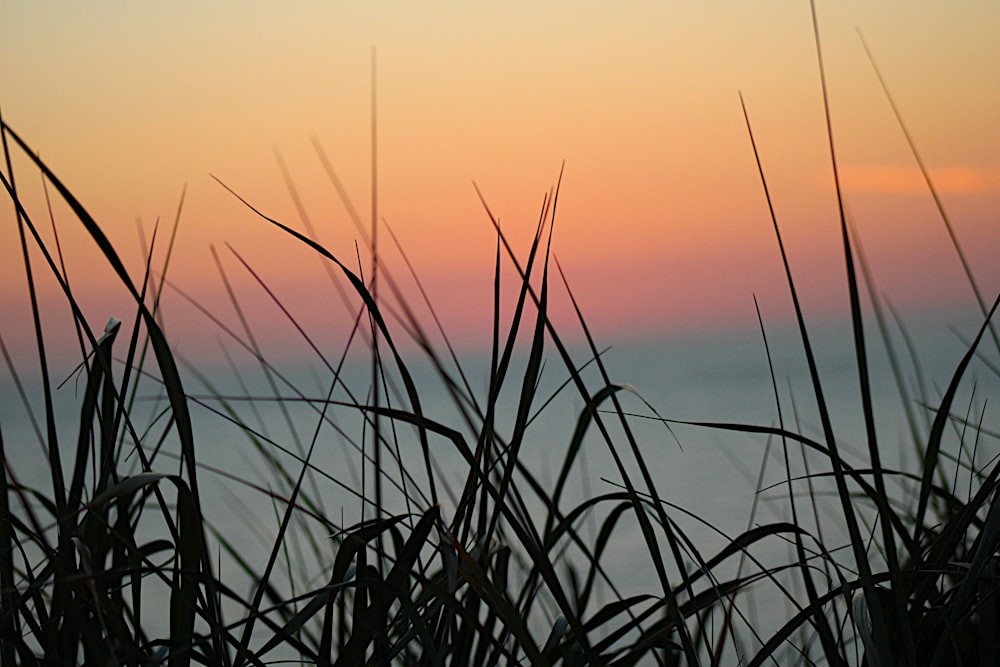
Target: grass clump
(461, 553)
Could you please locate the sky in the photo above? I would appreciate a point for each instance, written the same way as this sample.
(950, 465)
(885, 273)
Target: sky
(661, 224)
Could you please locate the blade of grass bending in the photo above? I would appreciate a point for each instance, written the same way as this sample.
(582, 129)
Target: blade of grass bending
(565, 528)
(168, 367)
(647, 529)
(310, 229)
(88, 409)
(930, 186)
(785, 632)
(58, 484)
(739, 544)
(463, 397)
(499, 365)
(434, 315)
(490, 449)
(881, 499)
(164, 357)
(583, 422)
(460, 391)
(362, 291)
(836, 462)
(184, 589)
(354, 546)
(63, 610)
(656, 635)
(716, 591)
(937, 427)
(367, 239)
(857, 476)
(215, 620)
(499, 370)
(60, 593)
(607, 612)
(353, 214)
(600, 542)
(543, 566)
(983, 359)
(528, 387)
(973, 580)
(586, 418)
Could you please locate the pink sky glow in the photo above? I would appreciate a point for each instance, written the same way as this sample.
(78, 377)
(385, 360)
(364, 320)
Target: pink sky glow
(661, 223)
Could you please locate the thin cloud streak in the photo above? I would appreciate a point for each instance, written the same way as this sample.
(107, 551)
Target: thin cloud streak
(900, 180)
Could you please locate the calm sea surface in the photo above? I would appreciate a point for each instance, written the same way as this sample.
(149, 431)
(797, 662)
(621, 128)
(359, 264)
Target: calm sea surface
(711, 473)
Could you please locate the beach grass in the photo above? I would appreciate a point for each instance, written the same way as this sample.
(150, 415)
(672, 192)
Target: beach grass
(116, 559)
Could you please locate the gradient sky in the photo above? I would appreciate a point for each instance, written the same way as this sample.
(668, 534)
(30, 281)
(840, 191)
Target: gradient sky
(661, 224)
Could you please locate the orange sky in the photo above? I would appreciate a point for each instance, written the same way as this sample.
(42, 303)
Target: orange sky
(662, 224)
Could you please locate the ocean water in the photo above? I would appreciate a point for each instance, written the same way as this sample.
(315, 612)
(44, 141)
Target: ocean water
(712, 477)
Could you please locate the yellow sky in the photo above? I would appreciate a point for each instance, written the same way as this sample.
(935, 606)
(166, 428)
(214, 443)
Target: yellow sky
(662, 222)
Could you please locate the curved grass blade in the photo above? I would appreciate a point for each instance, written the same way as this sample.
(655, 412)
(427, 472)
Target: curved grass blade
(940, 420)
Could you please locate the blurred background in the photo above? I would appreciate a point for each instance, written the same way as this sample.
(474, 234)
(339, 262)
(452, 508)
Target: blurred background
(662, 226)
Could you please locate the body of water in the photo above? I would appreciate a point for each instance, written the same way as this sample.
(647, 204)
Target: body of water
(710, 475)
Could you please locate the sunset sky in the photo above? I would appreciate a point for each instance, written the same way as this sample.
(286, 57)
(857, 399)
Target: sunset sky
(661, 225)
